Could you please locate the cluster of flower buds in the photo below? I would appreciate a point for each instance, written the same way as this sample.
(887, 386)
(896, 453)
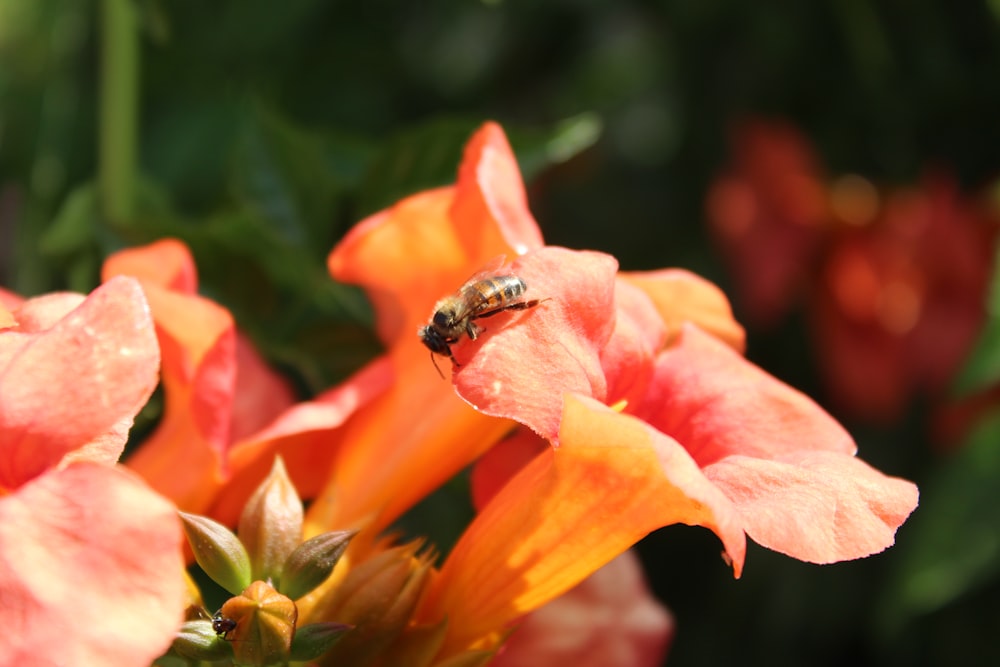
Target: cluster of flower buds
(266, 569)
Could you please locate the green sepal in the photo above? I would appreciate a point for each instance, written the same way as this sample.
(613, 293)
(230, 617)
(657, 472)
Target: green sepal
(313, 640)
(218, 552)
(198, 641)
(312, 562)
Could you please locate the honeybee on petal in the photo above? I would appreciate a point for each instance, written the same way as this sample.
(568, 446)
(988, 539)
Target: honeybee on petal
(456, 315)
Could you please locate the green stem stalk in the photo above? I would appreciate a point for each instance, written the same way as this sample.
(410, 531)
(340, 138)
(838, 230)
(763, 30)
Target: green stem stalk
(119, 102)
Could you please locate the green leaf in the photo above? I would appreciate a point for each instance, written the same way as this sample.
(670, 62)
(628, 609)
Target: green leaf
(418, 158)
(282, 174)
(74, 227)
(538, 150)
(951, 545)
(982, 368)
(427, 155)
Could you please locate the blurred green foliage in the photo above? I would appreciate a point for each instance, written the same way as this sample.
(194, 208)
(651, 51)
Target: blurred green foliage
(264, 130)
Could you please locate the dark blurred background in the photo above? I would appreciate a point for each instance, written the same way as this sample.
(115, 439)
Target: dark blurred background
(263, 130)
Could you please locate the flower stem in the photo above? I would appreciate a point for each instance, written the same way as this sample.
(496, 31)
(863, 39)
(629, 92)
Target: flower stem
(118, 109)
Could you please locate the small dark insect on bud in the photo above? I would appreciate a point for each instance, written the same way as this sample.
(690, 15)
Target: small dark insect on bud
(222, 625)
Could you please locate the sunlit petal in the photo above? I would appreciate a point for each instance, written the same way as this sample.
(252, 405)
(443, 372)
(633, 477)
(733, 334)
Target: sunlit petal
(716, 403)
(567, 513)
(681, 296)
(105, 350)
(166, 263)
(91, 571)
(608, 620)
(817, 506)
(491, 201)
(521, 365)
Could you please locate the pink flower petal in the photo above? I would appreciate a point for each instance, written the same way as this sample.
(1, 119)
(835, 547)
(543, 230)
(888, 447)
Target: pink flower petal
(198, 340)
(43, 312)
(9, 301)
(260, 394)
(639, 334)
(91, 571)
(105, 448)
(816, 506)
(523, 363)
(609, 620)
(716, 404)
(76, 381)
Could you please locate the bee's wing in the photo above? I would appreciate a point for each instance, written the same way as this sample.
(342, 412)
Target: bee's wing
(465, 299)
(490, 269)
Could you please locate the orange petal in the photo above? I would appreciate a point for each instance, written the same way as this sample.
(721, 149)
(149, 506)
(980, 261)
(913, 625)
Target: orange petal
(166, 263)
(197, 339)
(610, 619)
(628, 356)
(404, 444)
(497, 466)
(716, 403)
(217, 388)
(816, 506)
(681, 296)
(83, 550)
(74, 382)
(491, 205)
(260, 394)
(427, 245)
(307, 438)
(406, 257)
(567, 513)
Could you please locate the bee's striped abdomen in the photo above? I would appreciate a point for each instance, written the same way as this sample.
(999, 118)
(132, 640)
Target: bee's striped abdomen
(496, 292)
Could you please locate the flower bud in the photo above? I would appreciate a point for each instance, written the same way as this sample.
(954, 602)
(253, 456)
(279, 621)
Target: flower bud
(264, 625)
(271, 524)
(219, 553)
(312, 562)
(197, 640)
(313, 640)
(378, 597)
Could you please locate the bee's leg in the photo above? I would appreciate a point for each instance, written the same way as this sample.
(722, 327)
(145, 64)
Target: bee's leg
(473, 330)
(520, 305)
(525, 305)
(436, 367)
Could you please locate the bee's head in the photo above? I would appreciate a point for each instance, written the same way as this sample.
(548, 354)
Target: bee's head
(434, 341)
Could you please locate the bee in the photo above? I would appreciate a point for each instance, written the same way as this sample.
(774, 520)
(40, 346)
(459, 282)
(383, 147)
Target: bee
(478, 298)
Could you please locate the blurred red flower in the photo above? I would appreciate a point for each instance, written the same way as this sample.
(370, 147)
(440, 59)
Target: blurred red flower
(893, 283)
